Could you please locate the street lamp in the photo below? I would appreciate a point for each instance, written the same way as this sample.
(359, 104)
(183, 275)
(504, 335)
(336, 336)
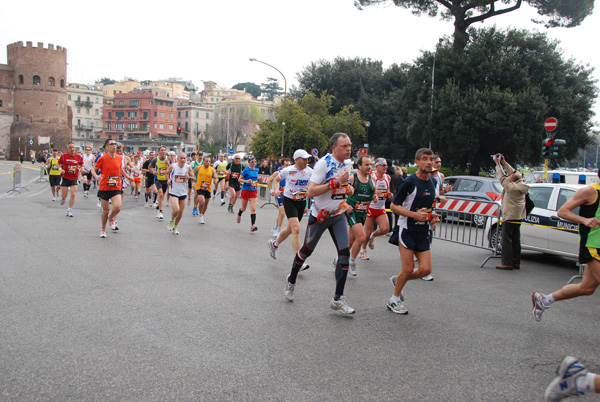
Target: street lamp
(284, 95)
(432, 86)
(367, 125)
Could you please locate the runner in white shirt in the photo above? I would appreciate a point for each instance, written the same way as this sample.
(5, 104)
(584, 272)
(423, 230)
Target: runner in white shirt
(178, 175)
(376, 212)
(296, 179)
(88, 164)
(137, 175)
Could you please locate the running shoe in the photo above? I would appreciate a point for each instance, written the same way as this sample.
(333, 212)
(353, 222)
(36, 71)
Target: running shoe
(222, 202)
(85, 194)
(393, 280)
(160, 215)
(53, 198)
(428, 278)
(188, 202)
(113, 224)
(69, 214)
(195, 211)
(238, 219)
(171, 226)
(564, 385)
(103, 234)
(136, 197)
(201, 219)
(157, 212)
(99, 205)
(363, 255)
(62, 201)
(342, 306)
(352, 269)
(273, 249)
(276, 233)
(371, 242)
(230, 208)
(146, 204)
(304, 266)
(253, 228)
(397, 307)
(289, 289)
(538, 306)
(175, 231)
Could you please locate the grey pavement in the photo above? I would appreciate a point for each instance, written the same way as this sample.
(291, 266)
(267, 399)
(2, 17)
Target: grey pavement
(144, 315)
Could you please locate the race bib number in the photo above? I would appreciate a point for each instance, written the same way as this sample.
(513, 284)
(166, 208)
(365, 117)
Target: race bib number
(112, 181)
(136, 175)
(235, 176)
(339, 193)
(253, 184)
(179, 179)
(299, 195)
(54, 167)
(162, 171)
(360, 206)
(205, 185)
(72, 169)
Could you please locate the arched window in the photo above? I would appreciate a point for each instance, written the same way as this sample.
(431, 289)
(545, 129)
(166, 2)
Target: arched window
(0, 102)
(51, 81)
(62, 83)
(36, 80)
(21, 79)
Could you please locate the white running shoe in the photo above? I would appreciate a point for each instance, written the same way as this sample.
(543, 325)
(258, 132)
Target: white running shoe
(341, 305)
(564, 385)
(538, 306)
(99, 205)
(113, 224)
(304, 266)
(171, 226)
(363, 255)
(371, 242)
(69, 214)
(175, 231)
(53, 198)
(103, 234)
(397, 307)
(62, 201)
(352, 269)
(157, 212)
(428, 278)
(289, 289)
(201, 219)
(160, 215)
(273, 249)
(146, 204)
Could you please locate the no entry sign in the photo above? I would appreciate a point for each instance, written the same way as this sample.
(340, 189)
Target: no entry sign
(550, 124)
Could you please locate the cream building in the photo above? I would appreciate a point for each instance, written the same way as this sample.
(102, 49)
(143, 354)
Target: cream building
(86, 101)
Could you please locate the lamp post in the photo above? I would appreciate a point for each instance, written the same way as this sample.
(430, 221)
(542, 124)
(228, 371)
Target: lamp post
(367, 125)
(432, 86)
(284, 95)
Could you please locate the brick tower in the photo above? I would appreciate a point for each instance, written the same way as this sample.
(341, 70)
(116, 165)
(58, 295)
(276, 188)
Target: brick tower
(39, 101)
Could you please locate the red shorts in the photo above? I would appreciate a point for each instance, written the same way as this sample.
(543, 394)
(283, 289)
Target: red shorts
(247, 194)
(374, 213)
(137, 179)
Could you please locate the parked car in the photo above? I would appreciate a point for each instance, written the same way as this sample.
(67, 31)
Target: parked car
(543, 230)
(474, 188)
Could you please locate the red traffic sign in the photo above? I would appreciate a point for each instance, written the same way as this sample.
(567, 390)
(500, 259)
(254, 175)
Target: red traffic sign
(362, 152)
(550, 124)
(315, 152)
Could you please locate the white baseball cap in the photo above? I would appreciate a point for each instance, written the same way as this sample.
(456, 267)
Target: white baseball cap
(300, 153)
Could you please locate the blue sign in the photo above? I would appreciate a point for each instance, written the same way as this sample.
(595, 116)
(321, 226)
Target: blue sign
(315, 152)
(230, 151)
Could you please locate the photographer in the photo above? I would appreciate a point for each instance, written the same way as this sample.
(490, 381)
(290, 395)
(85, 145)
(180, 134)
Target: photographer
(513, 212)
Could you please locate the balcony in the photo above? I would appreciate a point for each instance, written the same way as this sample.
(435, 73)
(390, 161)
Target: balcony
(84, 128)
(84, 104)
(126, 106)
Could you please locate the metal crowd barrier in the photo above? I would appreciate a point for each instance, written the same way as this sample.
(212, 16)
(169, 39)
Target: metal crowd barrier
(17, 179)
(263, 190)
(470, 223)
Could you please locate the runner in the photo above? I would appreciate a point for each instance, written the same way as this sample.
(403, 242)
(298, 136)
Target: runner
(329, 187)
(137, 175)
(358, 205)
(109, 189)
(191, 163)
(179, 173)
(127, 166)
(149, 183)
(278, 194)
(588, 201)
(249, 180)
(413, 202)
(88, 164)
(294, 200)
(70, 165)
(376, 212)
(234, 170)
(573, 380)
(99, 205)
(53, 173)
(159, 166)
(205, 177)
(221, 168)
(197, 162)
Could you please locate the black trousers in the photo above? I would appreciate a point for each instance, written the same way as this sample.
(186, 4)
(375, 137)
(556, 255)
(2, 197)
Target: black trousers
(511, 243)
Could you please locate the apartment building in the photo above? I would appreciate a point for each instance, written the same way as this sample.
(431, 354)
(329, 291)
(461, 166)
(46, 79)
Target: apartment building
(86, 102)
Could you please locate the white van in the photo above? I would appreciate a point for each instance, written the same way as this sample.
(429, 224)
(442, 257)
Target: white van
(564, 176)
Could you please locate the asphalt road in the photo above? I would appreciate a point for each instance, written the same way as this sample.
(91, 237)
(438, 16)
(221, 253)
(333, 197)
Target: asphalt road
(144, 315)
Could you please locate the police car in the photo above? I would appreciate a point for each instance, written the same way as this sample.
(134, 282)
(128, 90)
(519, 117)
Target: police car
(543, 230)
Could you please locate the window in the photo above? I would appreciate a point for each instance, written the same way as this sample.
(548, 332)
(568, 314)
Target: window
(207, 115)
(155, 114)
(119, 115)
(186, 114)
(197, 115)
(109, 115)
(62, 83)
(132, 115)
(132, 126)
(97, 100)
(20, 79)
(87, 111)
(565, 195)
(468, 185)
(121, 102)
(51, 82)
(78, 110)
(172, 115)
(0, 102)
(540, 196)
(212, 99)
(162, 114)
(152, 103)
(78, 122)
(36, 80)
(145, 115)
(96, 112)
(171, 127)
(162, 126)
(134, 103)
(178, 114)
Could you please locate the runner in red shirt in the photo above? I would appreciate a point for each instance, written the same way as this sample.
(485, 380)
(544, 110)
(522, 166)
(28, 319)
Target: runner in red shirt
(70, 165)
(111, 167)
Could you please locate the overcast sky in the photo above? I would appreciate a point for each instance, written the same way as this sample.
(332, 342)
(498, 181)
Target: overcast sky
(213, 40)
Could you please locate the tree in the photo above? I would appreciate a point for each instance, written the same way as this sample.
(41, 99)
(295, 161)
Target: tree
(553, 13)
(241, 119)
(250, 87)
(494, 97)
(308, 125)
(105, 81)
(271, 89)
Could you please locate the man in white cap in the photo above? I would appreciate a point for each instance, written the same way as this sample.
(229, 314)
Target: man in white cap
(294, 200)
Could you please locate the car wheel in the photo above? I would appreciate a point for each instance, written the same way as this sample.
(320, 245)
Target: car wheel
(479, 220)
(494, 237)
